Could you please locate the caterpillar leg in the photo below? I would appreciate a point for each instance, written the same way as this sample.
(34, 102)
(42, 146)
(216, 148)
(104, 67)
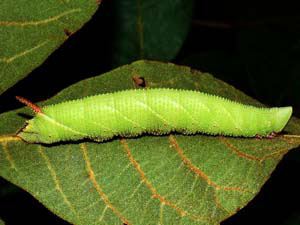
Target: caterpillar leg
(272, 135)
(269, 136)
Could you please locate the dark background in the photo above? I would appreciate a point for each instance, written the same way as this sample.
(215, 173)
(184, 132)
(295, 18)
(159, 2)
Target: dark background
(252, 45)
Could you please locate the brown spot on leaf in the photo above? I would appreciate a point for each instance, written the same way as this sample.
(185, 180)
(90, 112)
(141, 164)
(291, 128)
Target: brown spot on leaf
(67, 32)
(195, 71)
(139, 81)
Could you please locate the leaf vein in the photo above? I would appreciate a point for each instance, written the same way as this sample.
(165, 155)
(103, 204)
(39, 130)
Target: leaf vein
(156, 195)
(11, 59)
(237, 151)
(199, 172)
(35, 23)
(56, 181)
(8, 157)
(98, 188)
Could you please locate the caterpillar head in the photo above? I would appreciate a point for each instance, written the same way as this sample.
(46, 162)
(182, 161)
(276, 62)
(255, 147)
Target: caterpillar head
(38, 130)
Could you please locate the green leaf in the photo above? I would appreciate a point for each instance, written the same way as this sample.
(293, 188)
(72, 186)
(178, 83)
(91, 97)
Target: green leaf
(147, 29)
(31, 30)
(171, 179)
(2, 222)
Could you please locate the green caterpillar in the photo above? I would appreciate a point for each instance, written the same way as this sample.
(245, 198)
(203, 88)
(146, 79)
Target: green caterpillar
(156, 111)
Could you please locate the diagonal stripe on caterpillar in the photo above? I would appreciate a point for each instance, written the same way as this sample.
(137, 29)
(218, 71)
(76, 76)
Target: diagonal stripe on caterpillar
(155, 111)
